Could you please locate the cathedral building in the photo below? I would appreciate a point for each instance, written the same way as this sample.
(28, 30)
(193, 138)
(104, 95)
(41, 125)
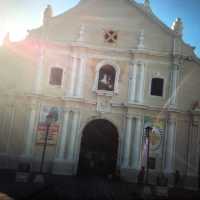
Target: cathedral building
(103, 72)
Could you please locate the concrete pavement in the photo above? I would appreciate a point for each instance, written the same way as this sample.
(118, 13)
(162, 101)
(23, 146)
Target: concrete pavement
(79, 188)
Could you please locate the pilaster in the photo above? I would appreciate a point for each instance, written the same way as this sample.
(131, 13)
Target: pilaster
(63, 136)
(127, 143)
(170, 146)
(39, 71)
(80, 79)
(73, 75)
(132, 82)
(193, 151)
(73, 136)
(11, 118)
(136, 82)
(174, 85)
(30, 130)
(136, 143)
(141, 83)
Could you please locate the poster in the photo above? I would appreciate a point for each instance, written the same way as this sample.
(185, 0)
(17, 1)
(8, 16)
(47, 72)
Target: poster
(52, 133)
(54, 128)
(157, 134)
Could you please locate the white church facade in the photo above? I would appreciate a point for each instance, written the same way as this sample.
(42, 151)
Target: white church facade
(102, 70)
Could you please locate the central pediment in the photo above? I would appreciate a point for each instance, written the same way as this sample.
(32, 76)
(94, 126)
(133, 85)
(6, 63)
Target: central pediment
(105, 8)
(90, 19)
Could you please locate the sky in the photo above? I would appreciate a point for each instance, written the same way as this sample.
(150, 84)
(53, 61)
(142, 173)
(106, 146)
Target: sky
(18, 16)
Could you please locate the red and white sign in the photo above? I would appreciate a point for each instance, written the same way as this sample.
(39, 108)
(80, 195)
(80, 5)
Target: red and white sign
(52, 133)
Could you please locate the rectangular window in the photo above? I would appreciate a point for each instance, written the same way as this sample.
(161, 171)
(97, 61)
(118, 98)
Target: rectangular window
(157, 87)
(56, 76)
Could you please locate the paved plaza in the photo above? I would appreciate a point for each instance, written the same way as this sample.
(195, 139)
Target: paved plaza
(83, 188)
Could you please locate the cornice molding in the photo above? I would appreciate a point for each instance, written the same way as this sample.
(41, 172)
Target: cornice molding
(135, 50)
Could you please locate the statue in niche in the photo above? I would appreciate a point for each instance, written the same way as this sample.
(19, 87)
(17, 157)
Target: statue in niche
(106, 78)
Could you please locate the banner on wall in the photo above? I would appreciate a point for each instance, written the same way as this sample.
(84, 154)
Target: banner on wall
(52, 134)
(54, 128)
(157, 133)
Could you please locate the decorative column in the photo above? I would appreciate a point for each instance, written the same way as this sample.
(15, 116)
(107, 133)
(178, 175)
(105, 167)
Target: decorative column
(11, 118)
(135, 159)
(71, 147)
(136, 83)
(132, 82)
(141, 83)
(193, 151)
(127, 143)
(80, 79)
(174, 85)
(30, 131)
(74, 75)
(63, 137)
(3, 129)
(170, 147)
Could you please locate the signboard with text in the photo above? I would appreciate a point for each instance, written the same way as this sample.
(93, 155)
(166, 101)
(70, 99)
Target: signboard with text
(52, 133)
(54, 128)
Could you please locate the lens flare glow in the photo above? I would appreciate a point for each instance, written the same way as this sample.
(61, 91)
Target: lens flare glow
(17, 32)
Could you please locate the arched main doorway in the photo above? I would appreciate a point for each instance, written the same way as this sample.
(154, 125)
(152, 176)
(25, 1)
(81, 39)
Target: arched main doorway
(99, 144)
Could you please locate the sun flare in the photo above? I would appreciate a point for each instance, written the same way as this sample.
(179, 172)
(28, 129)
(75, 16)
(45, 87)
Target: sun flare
(17, 32)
